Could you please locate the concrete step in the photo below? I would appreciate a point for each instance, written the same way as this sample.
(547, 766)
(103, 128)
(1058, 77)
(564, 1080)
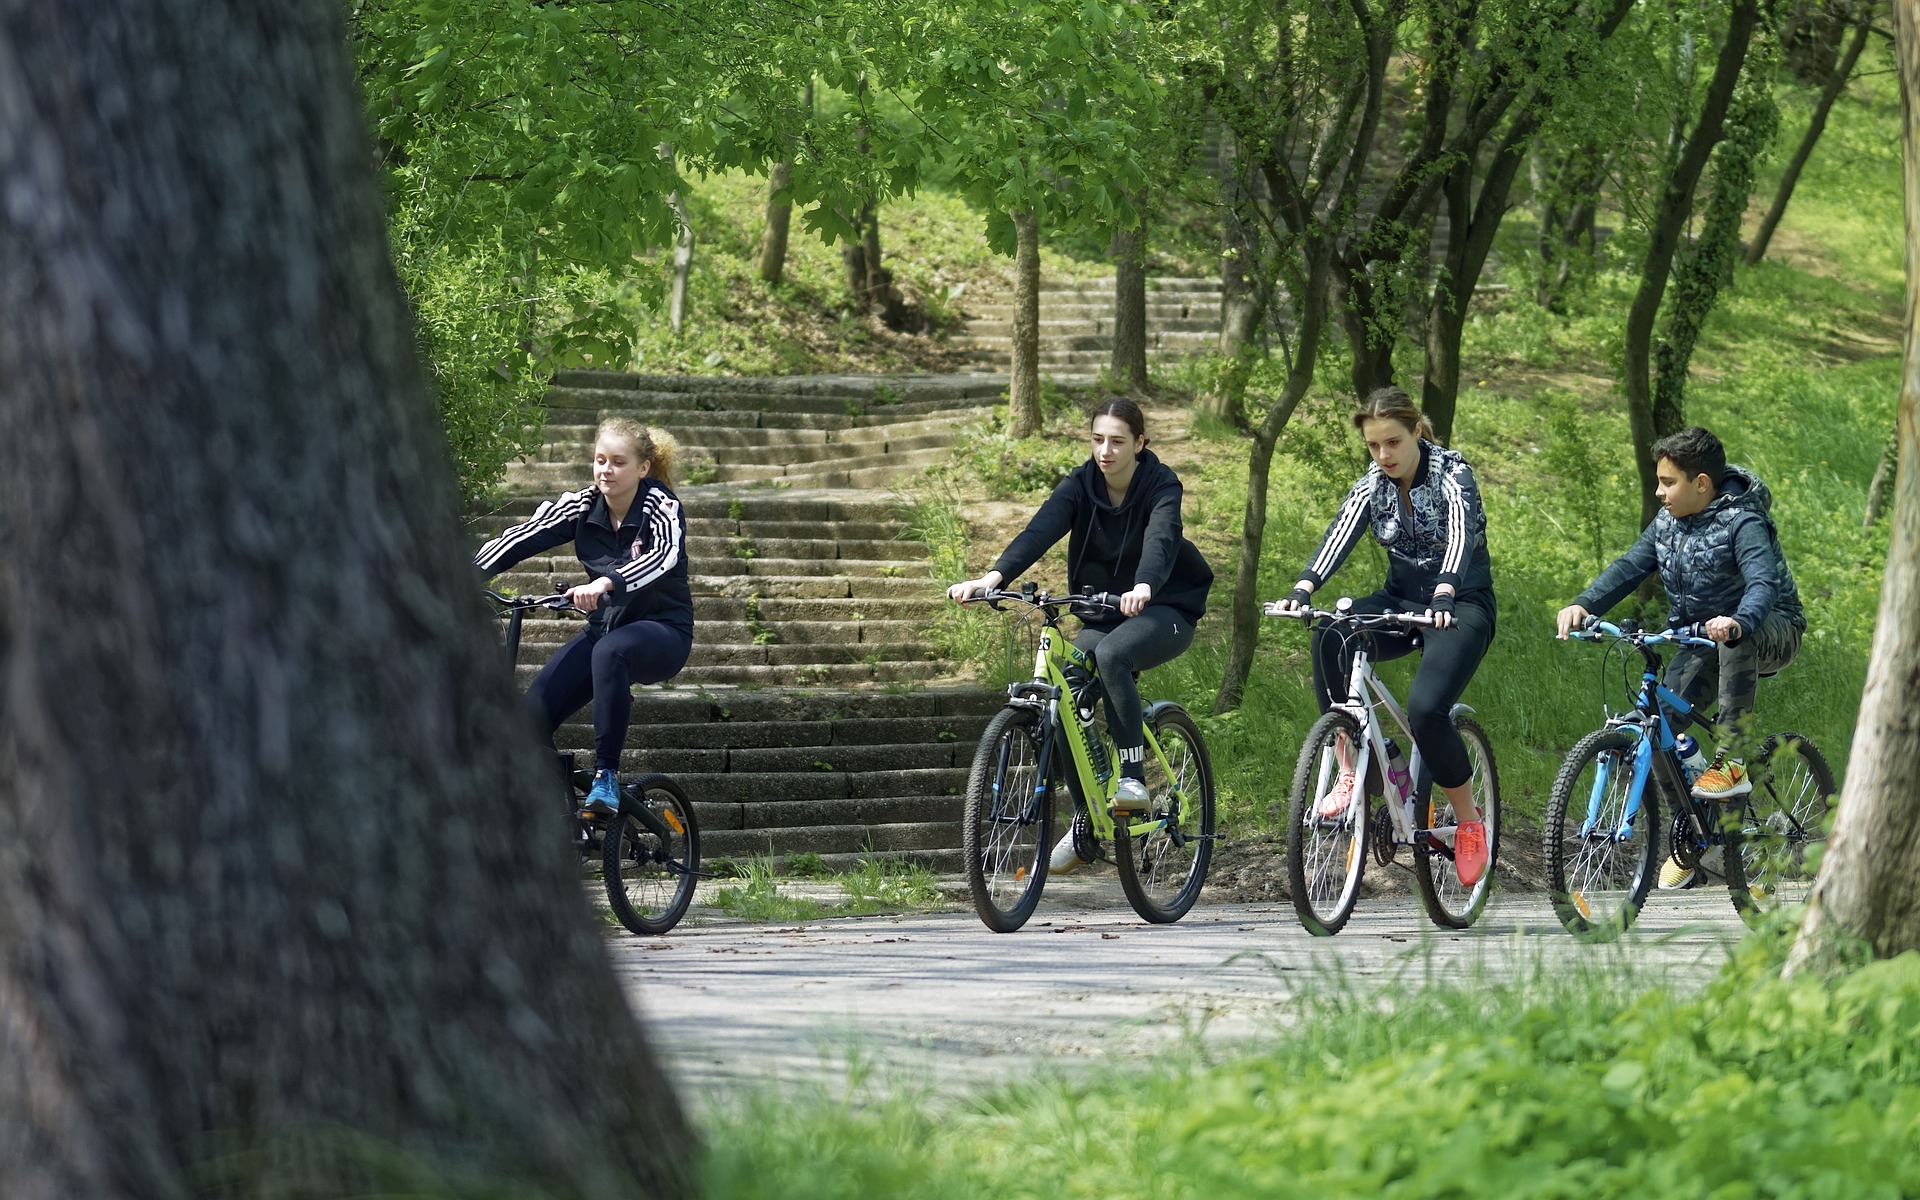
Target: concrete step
(1155, 283)
(899, 387)
(852, 531)
(832, 468)
(1179, 341)
(1065, 314)
(839, 635)
(751, 505)
(574, 443)
(950, 729)
(750, 545)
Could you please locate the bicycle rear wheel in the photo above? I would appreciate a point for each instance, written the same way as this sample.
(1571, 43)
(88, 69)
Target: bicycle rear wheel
(1781, 821)
(1450, 903)
(1007, 829)
(1326, 851)
(650, 878)
(1163, 869)
(1600, 862)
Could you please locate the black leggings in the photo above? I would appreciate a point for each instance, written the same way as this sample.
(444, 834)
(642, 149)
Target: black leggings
(1448, 660)
(603, 667)
(1158, 635)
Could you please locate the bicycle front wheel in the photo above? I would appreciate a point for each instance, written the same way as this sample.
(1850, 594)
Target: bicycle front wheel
(650, 877)
(1450, 903)
(1601, 838)
(1327, 827)
(1162, 855)
(1006, 832)
(1781, 821)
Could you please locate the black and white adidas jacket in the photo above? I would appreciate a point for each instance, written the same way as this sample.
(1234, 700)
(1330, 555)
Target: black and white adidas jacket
(646, 557)
(1436, 535)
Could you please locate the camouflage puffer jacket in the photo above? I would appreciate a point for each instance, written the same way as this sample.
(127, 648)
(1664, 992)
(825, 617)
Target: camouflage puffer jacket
(1724, 561)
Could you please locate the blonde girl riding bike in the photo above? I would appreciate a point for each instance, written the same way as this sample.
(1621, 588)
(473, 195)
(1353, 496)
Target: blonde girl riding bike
(630, 534)
(1421, 503)
(1120, 514)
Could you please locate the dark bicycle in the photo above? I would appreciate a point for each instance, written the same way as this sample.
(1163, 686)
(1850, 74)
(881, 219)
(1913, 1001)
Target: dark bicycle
(648, 854)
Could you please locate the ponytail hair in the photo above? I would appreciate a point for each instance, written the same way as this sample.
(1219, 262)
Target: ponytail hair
(656, 447)
(1392, 404)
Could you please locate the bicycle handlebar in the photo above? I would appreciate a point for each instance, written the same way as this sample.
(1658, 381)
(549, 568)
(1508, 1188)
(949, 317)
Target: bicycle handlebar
(559, 602)
(1596, 630)
(1093, 602)
(1405, 620)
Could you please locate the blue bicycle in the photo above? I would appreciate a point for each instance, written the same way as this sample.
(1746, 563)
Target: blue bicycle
(1603, 819)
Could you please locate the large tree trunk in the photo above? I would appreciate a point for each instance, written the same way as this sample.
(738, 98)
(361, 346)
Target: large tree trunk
(1663, 239)
(1757, 249)
(1129, 252)
(1023, 382)
(1883, 473)
(773, 249)
(1868, 889)
(286, 901)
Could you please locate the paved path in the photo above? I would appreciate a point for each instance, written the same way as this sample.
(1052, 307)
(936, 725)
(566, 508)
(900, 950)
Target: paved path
(936, 1000)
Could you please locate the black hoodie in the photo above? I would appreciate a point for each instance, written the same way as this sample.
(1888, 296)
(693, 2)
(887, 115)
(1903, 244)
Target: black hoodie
(1113, 548)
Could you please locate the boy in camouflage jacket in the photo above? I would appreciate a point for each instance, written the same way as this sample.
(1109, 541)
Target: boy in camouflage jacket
(1719, 557)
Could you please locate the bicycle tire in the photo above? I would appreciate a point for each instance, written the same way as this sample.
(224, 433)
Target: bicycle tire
(1450, 903)
(1597, 882)
(650, 880)
(1783, 817)
(1326, 857)
(1006, 848)
(1162, 872)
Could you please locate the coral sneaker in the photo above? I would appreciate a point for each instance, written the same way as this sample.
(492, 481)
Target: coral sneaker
(1338, 798)
(1470, 851)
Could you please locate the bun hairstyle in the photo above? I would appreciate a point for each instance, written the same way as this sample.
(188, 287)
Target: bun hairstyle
(654, 446)
(1122, 409)
(1392, 404)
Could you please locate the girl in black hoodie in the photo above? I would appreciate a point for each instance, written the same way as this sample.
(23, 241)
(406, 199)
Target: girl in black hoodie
(1120, 513)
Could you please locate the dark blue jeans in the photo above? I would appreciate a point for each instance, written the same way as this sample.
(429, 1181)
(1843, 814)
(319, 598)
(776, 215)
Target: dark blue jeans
(603, 667)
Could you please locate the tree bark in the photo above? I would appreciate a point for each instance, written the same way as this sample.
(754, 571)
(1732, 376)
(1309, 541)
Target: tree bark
(1669, 222)
(284, 905)
(682, 263)
(1868, 889)
(1129, 253)
(1023, 382)
(1763, 237)
(1883, 473)
(1239, 251)
(1312, 308)
(773, 250)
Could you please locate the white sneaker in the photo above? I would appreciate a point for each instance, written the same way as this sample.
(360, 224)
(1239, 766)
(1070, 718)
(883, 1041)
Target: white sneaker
(1065, 858)
(1131, 797)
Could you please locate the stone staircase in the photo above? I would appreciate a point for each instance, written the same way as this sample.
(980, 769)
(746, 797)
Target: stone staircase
(1076, 324)
(813, 716)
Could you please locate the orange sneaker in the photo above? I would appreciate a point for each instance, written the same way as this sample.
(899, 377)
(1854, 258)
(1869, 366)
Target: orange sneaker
(1470, 851)
(1725, 779)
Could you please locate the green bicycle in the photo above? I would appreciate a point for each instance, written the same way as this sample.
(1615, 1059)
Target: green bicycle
(1046, 735)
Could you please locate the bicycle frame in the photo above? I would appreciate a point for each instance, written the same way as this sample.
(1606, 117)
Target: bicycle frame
(1044, 693)
(1656, 756)
(1363, 682)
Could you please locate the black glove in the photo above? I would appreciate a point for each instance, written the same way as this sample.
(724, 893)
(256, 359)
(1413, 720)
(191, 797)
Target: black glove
(1441, 606)
(1299, 597)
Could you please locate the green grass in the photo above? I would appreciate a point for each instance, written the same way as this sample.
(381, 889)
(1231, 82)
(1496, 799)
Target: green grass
(877, 885)
(1533, 1082)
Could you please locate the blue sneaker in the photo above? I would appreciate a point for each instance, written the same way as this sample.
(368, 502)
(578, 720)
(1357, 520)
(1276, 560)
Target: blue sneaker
(604, 799)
